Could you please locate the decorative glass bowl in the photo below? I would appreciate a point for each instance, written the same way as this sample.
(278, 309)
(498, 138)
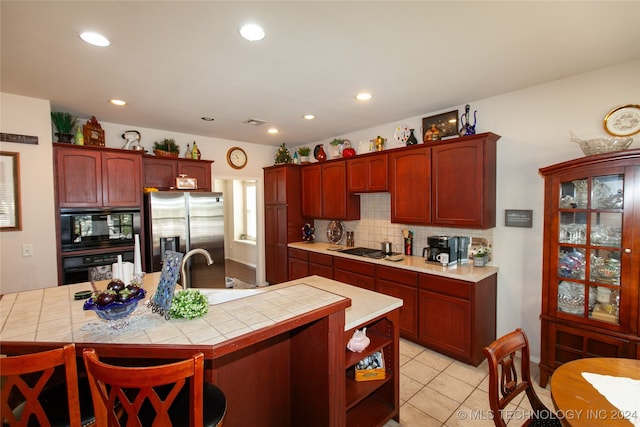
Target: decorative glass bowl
(115, 313)
(602, 145)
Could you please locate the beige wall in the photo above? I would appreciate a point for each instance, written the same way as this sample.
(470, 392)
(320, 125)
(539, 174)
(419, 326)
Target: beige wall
(30, 116)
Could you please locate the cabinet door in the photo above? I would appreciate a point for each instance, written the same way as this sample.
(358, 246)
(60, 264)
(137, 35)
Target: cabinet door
(409, 309)
(159, 173)
(379, 173)
(368, 174)
(358, 175)
(79, 178)
(121, 180)
(410, 186)
(312, 191)
(463, 177)
(336, 202)
(445, 323)
(321, 265)
(200, 170)
(298, 268)
(356, 273)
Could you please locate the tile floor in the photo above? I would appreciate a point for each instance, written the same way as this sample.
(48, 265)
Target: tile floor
(436, 390)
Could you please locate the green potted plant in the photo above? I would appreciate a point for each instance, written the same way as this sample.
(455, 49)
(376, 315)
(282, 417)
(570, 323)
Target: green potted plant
(64, 124)
(166, 148)
(481, 256)
(336, 145)
(304, 153)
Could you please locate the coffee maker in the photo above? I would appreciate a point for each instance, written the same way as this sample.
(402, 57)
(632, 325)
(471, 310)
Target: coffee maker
(463, 249)
(442, 244)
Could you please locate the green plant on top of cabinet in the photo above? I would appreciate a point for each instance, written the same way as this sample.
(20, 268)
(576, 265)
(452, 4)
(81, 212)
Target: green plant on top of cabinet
(92, 177)
(324, 194)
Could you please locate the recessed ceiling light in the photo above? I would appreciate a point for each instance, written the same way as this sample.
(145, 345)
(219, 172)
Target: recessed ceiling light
(273, 131)
(363, 96)
(207, 119)
(252, 32)
(309, 117)
(118, 102)
(95, 39)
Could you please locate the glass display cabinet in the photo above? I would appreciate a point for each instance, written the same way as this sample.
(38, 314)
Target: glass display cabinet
(591, 259)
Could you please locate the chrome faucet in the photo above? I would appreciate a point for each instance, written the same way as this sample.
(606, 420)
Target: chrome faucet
(183, 268)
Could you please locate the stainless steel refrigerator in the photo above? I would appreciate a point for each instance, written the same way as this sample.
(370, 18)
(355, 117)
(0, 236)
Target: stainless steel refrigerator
(182, 221)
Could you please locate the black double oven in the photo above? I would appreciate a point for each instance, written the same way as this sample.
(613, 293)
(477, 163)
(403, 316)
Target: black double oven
(95, 237)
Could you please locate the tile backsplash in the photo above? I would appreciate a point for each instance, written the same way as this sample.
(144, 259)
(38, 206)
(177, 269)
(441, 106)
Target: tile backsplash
(375, 226)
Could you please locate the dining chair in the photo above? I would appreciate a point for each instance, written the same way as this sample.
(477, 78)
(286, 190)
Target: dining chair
(32, 394)
(505, 384)
(154, 396)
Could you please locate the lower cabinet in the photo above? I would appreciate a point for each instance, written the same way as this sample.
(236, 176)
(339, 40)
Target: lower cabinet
(455, 317)
(321, 265)
(373, 403)
(356, 273)
(401, 284)
(298, 264)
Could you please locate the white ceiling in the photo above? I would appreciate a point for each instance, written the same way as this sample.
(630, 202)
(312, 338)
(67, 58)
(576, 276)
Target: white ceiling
(176, 61)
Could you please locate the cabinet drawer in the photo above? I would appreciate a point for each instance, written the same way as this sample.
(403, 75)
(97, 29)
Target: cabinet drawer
(298, 254)
(354, 279)
(354, 266)
(321, 259)
(397, 275)
(443, 285)
(321, 270)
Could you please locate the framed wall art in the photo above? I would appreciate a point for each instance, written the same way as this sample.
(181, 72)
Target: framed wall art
(10, 214)
(440, 126)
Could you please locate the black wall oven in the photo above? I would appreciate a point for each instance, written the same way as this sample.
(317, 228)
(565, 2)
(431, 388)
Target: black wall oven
(90, 238)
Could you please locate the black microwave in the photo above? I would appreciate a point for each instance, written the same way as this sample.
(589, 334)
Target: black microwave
(94, 229)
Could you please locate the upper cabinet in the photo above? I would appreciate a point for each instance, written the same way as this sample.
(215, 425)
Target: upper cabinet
(161, 173)
(450, 183)
(90, 177)
(463, 183)
(325, 192)
(368, 174)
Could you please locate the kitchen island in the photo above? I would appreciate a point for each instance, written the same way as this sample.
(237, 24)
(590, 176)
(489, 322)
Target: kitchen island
(277, 352)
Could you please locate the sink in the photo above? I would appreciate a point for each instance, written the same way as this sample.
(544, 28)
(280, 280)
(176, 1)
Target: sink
(219, 295)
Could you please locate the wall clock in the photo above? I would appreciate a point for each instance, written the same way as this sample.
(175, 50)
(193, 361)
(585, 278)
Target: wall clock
(236, 157)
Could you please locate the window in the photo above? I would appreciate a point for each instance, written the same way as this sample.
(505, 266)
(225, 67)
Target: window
(250, 211)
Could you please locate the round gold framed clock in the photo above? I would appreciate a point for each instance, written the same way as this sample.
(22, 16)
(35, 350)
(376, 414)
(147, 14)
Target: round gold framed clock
(236, 157)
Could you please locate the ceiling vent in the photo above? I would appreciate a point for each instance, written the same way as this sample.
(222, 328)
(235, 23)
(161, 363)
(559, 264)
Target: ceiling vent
(254, 122)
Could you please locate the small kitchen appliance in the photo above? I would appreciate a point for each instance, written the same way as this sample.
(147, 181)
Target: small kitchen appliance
(463, 249)
(442, 244)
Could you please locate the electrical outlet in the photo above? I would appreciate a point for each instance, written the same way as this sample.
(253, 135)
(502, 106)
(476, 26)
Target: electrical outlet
(27, 250)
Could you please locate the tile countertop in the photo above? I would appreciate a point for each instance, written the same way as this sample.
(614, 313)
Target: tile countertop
(466, 272)
(52, 315)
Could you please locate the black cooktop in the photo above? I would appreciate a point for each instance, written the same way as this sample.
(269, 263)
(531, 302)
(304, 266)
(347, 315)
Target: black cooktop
(368, 252)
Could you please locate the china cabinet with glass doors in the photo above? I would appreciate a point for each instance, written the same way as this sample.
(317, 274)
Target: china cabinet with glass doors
(591, 259)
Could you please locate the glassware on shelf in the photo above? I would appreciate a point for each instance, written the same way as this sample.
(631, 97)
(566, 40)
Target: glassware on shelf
(607, 304)
(571, 297)
(606, 235)
(573, 233)
(571, 263)
(605, 268)
(581, 193)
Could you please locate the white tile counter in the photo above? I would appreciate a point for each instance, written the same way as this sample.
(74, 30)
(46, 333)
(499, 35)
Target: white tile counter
(466, 272)
(52, 315)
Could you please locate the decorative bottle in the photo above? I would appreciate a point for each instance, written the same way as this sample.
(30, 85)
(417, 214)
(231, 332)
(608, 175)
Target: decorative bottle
(412, 138)
(79, 135)
(188, 154)
(195, 153)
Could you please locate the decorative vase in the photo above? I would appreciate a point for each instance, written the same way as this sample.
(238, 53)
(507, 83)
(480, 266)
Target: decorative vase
(64, 137)
(320, 154)
(412, 138)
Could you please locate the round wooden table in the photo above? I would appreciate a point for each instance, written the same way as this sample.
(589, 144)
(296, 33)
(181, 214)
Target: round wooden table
(579, 402)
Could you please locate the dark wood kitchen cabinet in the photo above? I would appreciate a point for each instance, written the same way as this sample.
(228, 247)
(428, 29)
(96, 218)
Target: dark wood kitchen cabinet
(283, 218)
(305, 263)
(325, 192)
(161, 172)
(410, 185)
(401, 284)
(450, 183)
(97, 177)
(457, 318)
(368, 173)
(463, 182)
(591, 260)
(356, 273)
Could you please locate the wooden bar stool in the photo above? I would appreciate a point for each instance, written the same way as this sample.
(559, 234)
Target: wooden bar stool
(30, 395)
(163, 395)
